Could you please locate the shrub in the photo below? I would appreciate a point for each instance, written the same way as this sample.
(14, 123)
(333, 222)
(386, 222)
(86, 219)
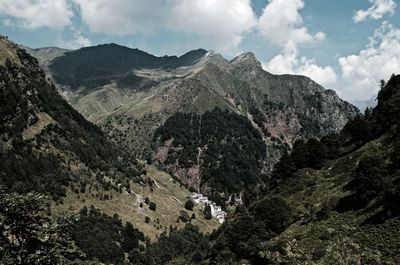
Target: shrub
(152, 206)
(275, 213)
(184, 216)
(189, 205)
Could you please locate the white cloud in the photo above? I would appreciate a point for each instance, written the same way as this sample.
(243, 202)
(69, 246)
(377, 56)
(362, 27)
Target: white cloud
(33, 14)
(378, 9)
(281, 22)
(220, 23)
(360, 73)
(123, 17)
(76, 42)
(289, 62)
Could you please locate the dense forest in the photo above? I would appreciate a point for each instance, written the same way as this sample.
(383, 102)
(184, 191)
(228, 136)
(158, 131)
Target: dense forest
(42, 160)
(232, 149)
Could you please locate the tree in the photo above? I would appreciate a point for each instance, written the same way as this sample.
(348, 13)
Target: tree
(189, 204)
(274, 213)
(152, 206)
(30, 235)
(207, 212)
(359, 129)
(283, 169)
(131, 237)
(147, 219)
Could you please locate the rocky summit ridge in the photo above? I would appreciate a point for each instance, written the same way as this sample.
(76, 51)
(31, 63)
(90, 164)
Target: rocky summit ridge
(131, 94)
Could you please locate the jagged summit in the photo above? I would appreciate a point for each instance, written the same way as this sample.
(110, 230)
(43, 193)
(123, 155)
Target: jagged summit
(247, 58)
(215, 58)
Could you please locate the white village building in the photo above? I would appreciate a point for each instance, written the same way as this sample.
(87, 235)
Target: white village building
(203, 201)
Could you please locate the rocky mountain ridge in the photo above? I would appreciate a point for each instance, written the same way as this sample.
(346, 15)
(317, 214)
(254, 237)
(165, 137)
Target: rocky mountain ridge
(130, 94)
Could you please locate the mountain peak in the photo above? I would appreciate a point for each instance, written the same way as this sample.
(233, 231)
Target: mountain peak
(215, 58)
(247, 58)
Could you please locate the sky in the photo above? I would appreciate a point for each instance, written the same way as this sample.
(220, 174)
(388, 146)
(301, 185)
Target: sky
(345, 45)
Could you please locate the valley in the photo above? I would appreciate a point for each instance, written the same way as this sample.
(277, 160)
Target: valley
(111, 155)
(137, 93)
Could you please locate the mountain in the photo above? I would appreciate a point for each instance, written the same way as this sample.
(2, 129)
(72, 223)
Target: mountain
(46, 146)
(328, 201)
(218, 126)
(133, 96)
(45, 55)
(92, 67)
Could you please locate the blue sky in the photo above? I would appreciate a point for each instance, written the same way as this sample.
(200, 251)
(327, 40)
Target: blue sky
(346, 45)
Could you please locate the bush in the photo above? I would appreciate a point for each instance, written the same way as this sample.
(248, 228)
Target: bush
(152, 206)
(189, 205)
(184, 216)
(275, 213)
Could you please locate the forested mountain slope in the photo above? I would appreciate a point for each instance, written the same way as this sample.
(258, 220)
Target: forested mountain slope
(46, 145)
(132, 95)
(68, 195)
(333, 201)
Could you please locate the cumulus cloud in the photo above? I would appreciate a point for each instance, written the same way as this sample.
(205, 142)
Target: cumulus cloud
(360, 73)
(76, 42)
(378, 9)
(33, 14)
(220, 23)
(289, 62)
(123, 17)
(281, 22)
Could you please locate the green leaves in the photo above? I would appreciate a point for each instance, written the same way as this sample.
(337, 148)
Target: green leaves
(30, 235)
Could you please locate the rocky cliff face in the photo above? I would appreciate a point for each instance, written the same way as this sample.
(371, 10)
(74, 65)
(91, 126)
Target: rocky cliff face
(131, 94)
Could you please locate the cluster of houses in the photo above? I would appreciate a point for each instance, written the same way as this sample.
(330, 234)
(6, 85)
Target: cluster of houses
(203, 201)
